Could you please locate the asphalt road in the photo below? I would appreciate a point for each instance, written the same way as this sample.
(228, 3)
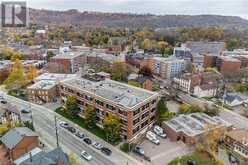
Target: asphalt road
(45, 127)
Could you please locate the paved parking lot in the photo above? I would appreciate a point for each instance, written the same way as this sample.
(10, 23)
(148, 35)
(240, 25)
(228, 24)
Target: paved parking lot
(163, 153)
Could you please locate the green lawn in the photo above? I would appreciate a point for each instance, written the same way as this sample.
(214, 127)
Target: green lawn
(200, 159)
(80, 121)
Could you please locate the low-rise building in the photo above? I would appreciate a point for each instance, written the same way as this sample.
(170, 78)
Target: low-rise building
(202, 84)
(225, 64)
(136, 107)
(200, 48)
(68, 62)
(19, 141)
(235, 99)
(193, 127)
(9, 113)
(45, 87)
(54, 157)
(236, 142)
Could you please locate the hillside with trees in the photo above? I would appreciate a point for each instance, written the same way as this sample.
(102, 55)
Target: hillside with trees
(127, 20)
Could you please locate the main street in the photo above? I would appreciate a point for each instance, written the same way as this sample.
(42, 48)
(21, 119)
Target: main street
(45, 126)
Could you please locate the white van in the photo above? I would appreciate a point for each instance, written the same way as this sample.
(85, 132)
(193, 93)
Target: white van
(152, 137)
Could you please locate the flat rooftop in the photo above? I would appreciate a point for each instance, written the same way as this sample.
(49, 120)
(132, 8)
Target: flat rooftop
(119, 93)
(54, 76)
(195, 123)
(68, 55)
(43, 85)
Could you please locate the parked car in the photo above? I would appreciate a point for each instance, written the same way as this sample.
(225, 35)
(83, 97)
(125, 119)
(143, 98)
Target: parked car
(191, 162)
(139, 150)
(71, 129)
(152, 137)
(80, 135)
(159, 131)
(63, 124)
(3, 102)
(87, 141)
(86, 155)
(25, 111)
(106, 151)
(97, 145)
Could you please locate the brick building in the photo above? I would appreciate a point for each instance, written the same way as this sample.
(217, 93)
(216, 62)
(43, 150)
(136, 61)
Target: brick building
(202, 84)
(193, 127)
(135, 107)
(68, 62)
(236, 142)
(225, 64)
(45, 88)
(19, 141)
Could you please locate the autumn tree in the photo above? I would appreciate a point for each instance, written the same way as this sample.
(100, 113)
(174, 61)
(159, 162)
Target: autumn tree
(90, 116)
(163, 113)
(71, 106)
(120, 71)
(16, 77)
(112, 128)
(145, 71)
(146, 45)
(73, 159)
(163, 46)
(4, 75)
(31, 72)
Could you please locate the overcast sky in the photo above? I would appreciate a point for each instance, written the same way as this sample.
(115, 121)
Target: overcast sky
(192, 7)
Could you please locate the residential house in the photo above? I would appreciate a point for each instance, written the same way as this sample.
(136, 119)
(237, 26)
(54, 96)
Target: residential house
(19, 141)
(202, 84)
(235, 99)
(38, 157)
(9, 113)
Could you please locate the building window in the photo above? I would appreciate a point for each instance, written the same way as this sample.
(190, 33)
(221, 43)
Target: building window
(145, 115)
(136, 121)
(144, 124)
(136, 130)
(88, 98)
(136, 112)
(124, 113)
(98, 102)
(110, 107)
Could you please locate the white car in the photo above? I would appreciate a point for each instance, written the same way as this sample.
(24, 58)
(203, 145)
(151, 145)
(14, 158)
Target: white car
(63, 124)
(152, 137)
(159, 131)
(86, 156)
(97, 145)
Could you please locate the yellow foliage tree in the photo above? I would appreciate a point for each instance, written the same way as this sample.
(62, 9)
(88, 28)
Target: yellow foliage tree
(31, 73)
(16, 78)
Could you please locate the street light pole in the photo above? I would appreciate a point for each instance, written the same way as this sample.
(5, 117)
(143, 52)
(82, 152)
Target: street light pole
(56, 130)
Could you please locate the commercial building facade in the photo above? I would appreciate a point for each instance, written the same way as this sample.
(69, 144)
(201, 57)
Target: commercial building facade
(135, 107)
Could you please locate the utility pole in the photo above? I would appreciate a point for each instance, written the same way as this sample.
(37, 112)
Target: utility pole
(56, 130)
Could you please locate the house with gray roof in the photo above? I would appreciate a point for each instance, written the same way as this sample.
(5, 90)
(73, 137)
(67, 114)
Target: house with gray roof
(235, 99)
(19, 141)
